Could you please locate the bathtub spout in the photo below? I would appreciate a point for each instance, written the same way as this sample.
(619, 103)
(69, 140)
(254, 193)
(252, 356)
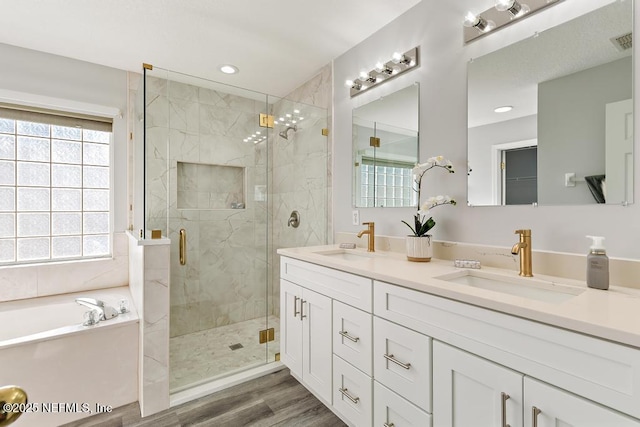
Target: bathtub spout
(106, 312)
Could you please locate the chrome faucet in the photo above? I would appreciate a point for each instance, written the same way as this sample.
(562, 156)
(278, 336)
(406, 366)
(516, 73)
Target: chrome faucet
(370, 231)
(106, 312)
(523, 247)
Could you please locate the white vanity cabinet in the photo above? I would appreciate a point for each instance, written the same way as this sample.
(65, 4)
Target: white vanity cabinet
(473, 391)
(306, 337)
(326, 336)
(387, 355)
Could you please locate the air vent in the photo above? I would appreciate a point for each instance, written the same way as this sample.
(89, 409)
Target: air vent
(623, 42)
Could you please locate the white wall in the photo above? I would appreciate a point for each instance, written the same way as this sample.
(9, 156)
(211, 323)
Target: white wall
(33, 72)
(481, 138)
(571, 128)
(437, 28)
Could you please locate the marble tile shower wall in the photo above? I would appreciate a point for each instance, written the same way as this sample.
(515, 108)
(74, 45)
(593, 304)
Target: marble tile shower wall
(224, 278)
(301, 174)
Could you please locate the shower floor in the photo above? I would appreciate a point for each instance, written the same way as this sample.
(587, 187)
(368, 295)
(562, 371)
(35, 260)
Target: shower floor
(207, 355)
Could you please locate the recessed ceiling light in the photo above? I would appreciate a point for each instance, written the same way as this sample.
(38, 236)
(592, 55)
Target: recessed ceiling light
(503, 109)
(228, 69)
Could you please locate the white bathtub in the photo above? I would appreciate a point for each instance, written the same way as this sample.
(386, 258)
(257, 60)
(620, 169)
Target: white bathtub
(68, 369)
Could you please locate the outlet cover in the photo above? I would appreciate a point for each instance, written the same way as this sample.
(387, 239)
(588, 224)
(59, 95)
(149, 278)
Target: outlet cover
(355, 217)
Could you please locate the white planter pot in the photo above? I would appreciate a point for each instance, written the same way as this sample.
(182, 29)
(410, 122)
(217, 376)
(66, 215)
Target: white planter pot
(419, 249)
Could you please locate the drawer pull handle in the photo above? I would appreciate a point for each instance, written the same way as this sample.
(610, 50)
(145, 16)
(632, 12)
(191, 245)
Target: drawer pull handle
(389, 425)
(505, 397)
(295, 306)
(534, 416)
(345, 393)
(390, 358)
(349, 337)
(302, 315)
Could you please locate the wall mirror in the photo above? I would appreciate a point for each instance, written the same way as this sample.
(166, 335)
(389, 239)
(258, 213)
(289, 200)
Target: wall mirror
(550, 118)
(385, 150)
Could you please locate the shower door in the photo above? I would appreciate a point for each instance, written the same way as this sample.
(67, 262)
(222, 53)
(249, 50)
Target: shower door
(207, 191)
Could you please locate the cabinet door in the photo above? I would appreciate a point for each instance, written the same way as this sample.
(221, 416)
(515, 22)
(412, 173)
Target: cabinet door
(471, 391)
(291, 327)
(560, 408)
(389, 409)
(316, 343)
(352, 393)
(352, 336)
(402, 362)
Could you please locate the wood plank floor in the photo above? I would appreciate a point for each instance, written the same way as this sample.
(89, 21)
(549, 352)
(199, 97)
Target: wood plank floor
(276, 399)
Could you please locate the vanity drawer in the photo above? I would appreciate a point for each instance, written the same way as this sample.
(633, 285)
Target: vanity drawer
(348, 288)
(352, 339)
(599, 370)
(402, 362)
(352, 393)
(392, 410)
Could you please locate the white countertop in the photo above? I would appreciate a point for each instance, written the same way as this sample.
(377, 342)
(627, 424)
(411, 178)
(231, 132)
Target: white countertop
(612, 315)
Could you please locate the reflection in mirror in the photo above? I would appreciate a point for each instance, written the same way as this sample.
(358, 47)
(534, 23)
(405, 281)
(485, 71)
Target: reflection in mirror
(565, 134)
(385, 150)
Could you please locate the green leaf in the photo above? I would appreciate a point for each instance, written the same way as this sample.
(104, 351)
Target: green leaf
(412, 230)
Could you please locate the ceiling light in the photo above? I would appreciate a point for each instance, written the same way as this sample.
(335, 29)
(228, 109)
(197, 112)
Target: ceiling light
(300, 118)
(503, 109)
(296, 111)
(228, 69)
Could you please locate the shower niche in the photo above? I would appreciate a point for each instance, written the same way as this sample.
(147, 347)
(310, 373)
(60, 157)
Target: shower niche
(208, 186)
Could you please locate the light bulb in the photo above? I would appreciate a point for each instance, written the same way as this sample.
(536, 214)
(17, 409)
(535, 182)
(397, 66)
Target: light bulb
(288, 115)
(471, 20)
(296, 111)
(396, 57)
(503, 5)
(257, 132)
(301, 118)
(395, 70)
(364, 76)
(281, 119)
(379, 67)
(348, 83)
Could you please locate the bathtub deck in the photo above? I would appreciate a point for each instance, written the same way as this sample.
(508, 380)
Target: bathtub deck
(275, 399)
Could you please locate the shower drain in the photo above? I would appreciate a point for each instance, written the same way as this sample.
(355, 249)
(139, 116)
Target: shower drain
(235, 346)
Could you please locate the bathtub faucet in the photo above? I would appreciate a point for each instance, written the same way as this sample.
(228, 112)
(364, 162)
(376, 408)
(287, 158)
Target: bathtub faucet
(106, 311)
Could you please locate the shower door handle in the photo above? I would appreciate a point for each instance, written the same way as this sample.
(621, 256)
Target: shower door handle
(183, 246)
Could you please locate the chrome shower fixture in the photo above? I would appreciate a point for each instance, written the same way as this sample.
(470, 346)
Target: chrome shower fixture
(284, 134)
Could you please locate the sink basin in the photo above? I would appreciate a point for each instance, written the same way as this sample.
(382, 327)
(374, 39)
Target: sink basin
(346, 254)
(526, 287)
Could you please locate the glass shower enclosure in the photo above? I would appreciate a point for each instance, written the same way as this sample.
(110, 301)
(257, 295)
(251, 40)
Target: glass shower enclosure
(219, 181)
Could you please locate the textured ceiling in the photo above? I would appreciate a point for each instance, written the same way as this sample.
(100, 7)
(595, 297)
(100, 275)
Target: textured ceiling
(276, 45)
(510, 76)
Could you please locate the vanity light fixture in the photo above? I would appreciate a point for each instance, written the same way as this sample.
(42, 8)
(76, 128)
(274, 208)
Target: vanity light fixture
(478, 25)
(383, 71)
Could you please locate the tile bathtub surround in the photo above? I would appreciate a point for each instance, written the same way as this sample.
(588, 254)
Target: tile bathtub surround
(623, 272)
(31, 281)
(149, 284)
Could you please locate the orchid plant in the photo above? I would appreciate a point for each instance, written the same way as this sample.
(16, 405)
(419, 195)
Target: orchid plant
(423, 221)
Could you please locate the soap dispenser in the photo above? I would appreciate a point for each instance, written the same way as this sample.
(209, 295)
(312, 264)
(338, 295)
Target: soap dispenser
(597, 265)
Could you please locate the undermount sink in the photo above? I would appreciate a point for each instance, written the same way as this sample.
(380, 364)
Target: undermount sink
(526, 287)
(346, 254)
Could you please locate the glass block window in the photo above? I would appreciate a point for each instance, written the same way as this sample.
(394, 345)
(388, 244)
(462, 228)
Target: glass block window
(386, 184)
(54, 187)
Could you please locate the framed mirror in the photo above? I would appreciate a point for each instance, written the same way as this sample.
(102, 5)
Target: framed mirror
(550, 118)
(385, 150)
